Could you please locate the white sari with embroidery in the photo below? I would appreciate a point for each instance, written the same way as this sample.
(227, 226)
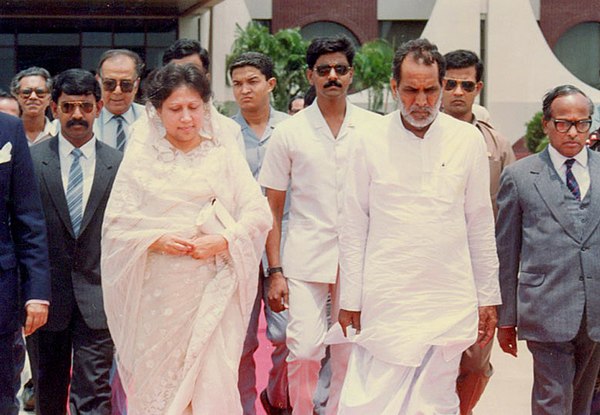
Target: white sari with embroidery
(179, 323)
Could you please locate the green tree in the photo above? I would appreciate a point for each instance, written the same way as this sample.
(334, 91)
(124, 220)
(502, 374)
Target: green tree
(286, 48)
(535, 139)
(372, 70)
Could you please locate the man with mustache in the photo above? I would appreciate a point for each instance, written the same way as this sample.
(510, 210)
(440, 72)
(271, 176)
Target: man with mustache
(462, 85)
(308, 153)
(419, 270)
(75, 172)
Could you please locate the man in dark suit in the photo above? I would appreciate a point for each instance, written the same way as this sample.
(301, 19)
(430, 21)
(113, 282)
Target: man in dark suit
(75, 174)
(22, 247)
(549, 250)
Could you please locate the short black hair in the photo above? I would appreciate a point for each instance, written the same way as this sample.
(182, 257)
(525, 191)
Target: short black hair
(310, 96)
(462, 58)
(561, 91)
(111, 53)
(324, 45)
(15, 84)
(183, 48)
(257, 60)
(294, 98)
(75, 82)
(422, 50)
(163, 81)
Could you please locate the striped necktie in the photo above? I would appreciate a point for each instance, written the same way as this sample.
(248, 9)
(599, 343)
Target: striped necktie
(571, 181)
(75, 191)
(121, 137)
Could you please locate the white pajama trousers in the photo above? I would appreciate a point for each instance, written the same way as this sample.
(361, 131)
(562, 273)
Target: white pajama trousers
(373, 386)
(306, 329)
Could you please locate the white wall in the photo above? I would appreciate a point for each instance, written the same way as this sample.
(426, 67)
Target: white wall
(421, 9)
(260, 9)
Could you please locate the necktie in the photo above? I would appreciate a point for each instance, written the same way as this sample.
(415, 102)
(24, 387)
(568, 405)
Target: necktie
(121, 137)
(75, 191)
(571, 181)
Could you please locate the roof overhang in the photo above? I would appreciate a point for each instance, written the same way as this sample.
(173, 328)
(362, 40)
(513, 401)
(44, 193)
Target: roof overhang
(142, 9)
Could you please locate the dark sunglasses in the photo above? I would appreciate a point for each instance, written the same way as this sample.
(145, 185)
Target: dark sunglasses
(467, 86)
(110, 85)
(324, 70)
(68, 107)
(563, 126)
(26, 92)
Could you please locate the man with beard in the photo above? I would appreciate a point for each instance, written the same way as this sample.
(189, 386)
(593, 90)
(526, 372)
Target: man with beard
(419, 270)
(75, 172)
(309, 154)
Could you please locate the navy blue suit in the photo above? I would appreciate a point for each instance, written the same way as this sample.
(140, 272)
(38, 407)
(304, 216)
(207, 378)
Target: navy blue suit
(23, 248)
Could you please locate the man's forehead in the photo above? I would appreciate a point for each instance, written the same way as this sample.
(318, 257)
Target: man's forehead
(33, 80)
(571, 103)
(461, 73)
(332, 58)
(119, 64)
(246, 72)
(71, 98)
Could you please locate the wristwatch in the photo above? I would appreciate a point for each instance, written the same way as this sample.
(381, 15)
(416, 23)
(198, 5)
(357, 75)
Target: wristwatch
(273, 270)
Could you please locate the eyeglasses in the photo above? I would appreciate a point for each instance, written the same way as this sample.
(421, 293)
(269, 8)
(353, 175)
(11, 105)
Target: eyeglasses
(110, 85)
(324, 70)
(26, 92)
(68, 107)
(563, 126)
(467, 86)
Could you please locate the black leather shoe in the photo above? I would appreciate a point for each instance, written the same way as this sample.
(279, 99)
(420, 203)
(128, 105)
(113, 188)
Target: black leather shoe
(28, 396)
(270, 409)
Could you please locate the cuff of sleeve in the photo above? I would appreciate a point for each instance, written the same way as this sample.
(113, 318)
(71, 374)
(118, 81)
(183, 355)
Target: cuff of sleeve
(33, 301)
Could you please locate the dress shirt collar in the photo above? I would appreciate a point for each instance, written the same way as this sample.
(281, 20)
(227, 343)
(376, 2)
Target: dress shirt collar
(246, 130)
(128, 116)
(65, 148)
(316, 119)
(558, 160)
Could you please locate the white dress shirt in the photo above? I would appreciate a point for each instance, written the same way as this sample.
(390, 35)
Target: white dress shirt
(580, 168)
(304, 155)
(87, 161)
(417, 247)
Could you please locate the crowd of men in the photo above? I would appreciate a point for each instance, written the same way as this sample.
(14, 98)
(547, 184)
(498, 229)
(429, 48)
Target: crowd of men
(399, 242)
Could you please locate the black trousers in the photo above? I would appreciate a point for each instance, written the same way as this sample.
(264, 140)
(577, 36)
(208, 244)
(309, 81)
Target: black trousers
(78, 357)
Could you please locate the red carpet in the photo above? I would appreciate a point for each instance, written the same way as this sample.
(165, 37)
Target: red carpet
(263, 361)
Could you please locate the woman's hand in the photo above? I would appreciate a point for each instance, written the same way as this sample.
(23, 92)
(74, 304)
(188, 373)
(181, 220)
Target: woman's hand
(207, 246)
(172, 245)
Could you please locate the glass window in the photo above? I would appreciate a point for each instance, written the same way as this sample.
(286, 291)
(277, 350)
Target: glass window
(96, 39)
(399, 31)
(48, 39)
(161, 39)
(7, 39)
(90, 58)
(129, 39)
(7, 67)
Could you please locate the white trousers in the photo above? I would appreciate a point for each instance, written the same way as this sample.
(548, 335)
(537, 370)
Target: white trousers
(376, 387)
(307, 326)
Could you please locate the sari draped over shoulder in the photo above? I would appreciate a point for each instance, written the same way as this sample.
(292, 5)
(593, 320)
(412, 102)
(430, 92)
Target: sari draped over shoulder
(179, 323)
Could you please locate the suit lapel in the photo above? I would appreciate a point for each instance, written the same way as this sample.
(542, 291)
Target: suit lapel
(102, 176)
(51, 174)
(593, 213)
(551, 189)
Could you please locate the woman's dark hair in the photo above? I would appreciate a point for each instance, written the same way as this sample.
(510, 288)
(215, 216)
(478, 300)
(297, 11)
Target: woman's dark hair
(162, 82)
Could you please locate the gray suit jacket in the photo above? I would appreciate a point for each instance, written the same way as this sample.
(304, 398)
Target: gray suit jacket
(549, 273)
(74, 261)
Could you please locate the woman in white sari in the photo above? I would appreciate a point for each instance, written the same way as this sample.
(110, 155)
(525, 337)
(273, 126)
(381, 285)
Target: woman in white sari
(183, 234)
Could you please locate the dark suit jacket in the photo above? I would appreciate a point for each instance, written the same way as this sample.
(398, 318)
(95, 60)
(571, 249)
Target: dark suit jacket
(74, 262)
(549, 272)
(22, 231)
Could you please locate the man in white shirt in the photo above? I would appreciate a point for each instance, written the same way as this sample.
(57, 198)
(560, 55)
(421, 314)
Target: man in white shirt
(32, 88)
(549, 251)
(417, 253)
(118, 73)
(308, 153)
(75, 172)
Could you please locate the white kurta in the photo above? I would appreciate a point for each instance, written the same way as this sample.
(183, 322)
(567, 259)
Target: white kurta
(418, 254)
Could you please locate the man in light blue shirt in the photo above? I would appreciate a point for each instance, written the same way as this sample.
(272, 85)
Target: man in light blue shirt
(253, 80)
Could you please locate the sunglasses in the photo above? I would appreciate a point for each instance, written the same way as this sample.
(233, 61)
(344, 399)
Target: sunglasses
(68, 107)
(467, 86)
(563, 126)
(324, 70)
(26, 92)
(110, 85)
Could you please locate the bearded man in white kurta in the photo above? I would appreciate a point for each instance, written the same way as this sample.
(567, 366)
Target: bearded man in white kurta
(419, 271)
